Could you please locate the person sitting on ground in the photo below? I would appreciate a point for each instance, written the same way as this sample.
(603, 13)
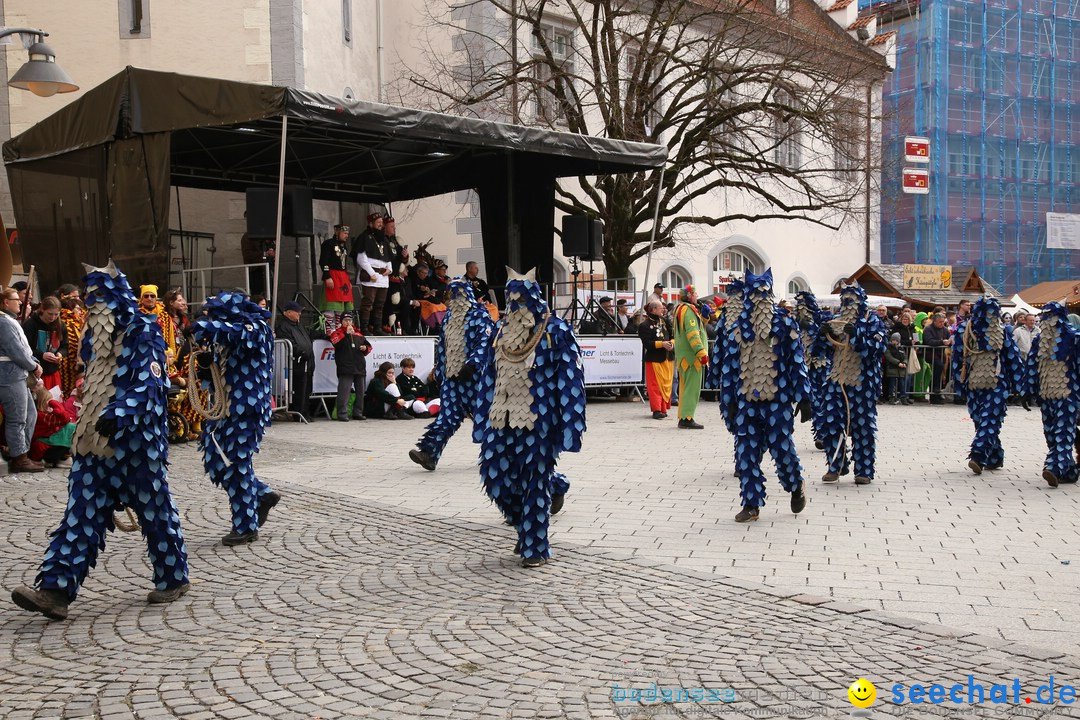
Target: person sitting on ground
(51, 442)
(383, 398)
(413, 389)
(350, 352)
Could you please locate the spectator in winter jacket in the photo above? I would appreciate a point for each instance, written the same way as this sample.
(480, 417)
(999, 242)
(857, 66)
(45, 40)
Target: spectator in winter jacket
(47, 339)
(896, 372)
(350, 351)
(303, 353)
(937, 339)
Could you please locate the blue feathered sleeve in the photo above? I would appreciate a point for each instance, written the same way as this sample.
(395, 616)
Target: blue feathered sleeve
(1012, 365)
(559, 387)
(138, 406)
(485, 392)
(869, 340)
(793, 361)
(959, 384)
(440, 356)
(1031, 370)
(478, 328)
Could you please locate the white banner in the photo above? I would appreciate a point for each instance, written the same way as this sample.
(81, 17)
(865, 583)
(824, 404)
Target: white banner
(611, 360)
(1062, 231)
(383, 349)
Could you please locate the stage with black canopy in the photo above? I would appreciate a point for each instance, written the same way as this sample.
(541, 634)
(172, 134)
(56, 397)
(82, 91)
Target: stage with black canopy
(94, 177)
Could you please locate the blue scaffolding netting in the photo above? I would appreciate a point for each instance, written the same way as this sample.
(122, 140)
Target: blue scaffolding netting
(995, 86)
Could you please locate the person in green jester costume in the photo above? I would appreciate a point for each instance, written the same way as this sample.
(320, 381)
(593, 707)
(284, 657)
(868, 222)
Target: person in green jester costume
(691, 355)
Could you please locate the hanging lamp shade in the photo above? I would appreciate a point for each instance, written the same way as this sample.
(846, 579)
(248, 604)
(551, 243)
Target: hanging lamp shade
(41, 75)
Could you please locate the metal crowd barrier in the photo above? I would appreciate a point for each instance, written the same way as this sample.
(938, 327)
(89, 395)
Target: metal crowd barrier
(282, 380)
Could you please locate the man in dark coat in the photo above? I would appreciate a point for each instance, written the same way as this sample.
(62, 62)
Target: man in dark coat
(350, 350)
(303, 353)
(936, 338)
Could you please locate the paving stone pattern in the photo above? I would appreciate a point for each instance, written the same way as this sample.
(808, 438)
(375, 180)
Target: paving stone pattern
(353, 607)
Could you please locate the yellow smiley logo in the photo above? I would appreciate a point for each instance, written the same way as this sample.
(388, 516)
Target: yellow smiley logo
(862, 693)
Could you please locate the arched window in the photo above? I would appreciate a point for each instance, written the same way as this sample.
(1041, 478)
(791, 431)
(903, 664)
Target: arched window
(674, 278)
(732, 262)
(797, 285)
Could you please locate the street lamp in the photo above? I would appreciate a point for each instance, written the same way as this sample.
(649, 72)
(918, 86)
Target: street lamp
(40, 75)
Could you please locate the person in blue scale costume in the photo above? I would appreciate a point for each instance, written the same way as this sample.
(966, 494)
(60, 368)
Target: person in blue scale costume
(237, 334)
(531, 409)
(120, 451)
(462, 354)
(986, 368)
(856, 339)
(725, 337)
(1052, 374)
(762, 380)
(810, 318)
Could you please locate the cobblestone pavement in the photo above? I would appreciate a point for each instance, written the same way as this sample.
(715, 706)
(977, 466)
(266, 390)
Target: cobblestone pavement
(409, 606)
(996, 554)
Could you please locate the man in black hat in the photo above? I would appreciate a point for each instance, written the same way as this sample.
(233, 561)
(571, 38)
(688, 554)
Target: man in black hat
(657, 295)
(374, 258)
(289, 328)
(622, 314)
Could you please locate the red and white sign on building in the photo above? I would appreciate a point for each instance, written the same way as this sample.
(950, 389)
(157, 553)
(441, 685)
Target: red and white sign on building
(916, 149)
(917, 181)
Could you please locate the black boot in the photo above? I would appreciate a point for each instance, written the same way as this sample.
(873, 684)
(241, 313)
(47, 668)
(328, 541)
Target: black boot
(235, 538)
(50, 602)
(798, 501)
(423, 459)
(266, 504)
(747, 514)
(157, 597)
(557, 502)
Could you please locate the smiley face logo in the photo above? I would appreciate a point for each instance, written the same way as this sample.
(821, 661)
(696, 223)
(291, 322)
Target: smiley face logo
(862, 693)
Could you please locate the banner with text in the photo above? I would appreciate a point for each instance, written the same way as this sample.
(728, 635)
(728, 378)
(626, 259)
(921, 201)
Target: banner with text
(927, 277)
(383, 349)
(611, 360)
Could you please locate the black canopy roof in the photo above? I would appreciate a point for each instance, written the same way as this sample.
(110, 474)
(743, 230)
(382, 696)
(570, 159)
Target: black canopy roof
(119, 146)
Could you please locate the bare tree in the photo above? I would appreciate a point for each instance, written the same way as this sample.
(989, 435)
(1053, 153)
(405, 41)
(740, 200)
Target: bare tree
(772, 106)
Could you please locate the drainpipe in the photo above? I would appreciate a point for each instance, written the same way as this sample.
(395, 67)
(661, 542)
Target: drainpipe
(379, 49)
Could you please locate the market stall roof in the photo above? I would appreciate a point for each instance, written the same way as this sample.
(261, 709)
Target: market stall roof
(1060, 290)
(888, 280)
(226, 135)
(92, 181)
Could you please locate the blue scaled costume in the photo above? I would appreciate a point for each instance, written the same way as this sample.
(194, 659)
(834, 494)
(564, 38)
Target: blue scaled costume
(729, 316)
(462, 353)
(531, 409)
(762, 379)
(856, 340)
(1053, 376)
(986, 367)
(120, 450)
(240, 345)
(810, 318)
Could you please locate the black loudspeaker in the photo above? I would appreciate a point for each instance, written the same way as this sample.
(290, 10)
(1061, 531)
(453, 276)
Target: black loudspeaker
(261, 213)
(298, 215)
(575, 236)
(296, 211)
(596, 241)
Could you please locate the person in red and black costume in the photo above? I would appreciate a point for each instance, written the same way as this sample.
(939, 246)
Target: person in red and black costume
(337, 290)
(374, 266)
(350, 350)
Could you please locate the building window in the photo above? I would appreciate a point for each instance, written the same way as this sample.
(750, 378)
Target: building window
(134, 19)
(796, 286)
(850, 135)
(788, 148)
(346, 21)
(728, 265)
(546, 82)
(674, 279)
(639, 92)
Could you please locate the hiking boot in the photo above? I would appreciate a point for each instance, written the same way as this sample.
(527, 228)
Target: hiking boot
(830, 477)
(266, 504)
(50, 602)
(747, 514)
(689, 424)
(819, 445)
(533, 562)
(862, 480)
(157, 597)
(798, 501)
(235, 538)
(23, 463)
(343, 418)
(975, 467)
(992, 466)
(1050, 478)
(557, 502)
(423, 459)
(658, 415)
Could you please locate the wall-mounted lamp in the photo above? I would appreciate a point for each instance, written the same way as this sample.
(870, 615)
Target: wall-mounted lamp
(40, 75)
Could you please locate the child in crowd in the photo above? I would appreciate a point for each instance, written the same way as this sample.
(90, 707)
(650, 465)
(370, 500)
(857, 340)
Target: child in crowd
(383, 398)
(51, 443)
(413, 390)
(895, 372)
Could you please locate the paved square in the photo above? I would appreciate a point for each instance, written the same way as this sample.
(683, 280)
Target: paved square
(381, 590)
